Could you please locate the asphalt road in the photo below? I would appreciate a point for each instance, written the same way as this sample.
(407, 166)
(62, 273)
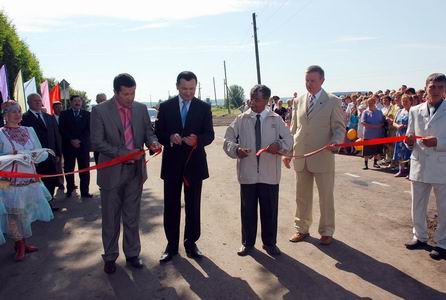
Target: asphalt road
(367, 259)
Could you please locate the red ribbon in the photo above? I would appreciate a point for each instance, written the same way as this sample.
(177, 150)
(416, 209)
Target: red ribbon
(185, 180)
(114, 161)
(379, 141)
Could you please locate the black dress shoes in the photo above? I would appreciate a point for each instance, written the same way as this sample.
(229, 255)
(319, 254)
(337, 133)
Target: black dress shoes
(110, 267)
(272, 250)
(415, 245)
(438, 253)
(88, 195)
(135, 262)
(244, 250)
(167, 256)
(193, 252)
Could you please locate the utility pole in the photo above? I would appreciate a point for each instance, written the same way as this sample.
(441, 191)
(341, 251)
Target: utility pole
(199, 90)
(226, 87)
(259, 81)
(215, 91)
(224, 91)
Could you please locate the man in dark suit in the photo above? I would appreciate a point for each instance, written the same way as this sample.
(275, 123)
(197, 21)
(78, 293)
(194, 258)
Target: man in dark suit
(74, 126)
(184, 127)
(47, 131)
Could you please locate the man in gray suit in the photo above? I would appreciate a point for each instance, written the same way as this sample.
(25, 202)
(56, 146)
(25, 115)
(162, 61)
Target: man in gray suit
(121, 126)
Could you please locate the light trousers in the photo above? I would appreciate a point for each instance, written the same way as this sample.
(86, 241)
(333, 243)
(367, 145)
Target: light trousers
(304, 201)
(420, 199)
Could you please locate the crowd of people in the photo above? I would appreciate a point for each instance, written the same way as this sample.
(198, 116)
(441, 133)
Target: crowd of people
(36, 142)
(383, 114)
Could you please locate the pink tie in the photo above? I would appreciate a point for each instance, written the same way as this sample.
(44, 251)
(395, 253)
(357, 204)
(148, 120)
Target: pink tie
(128, 131)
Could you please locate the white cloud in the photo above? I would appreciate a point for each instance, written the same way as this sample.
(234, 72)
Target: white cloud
(351, 38)
(49, 14)
(149, 26)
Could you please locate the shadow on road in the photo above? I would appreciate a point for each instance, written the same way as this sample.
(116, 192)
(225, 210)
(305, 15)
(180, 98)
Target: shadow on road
(216, 283)
(68, 264)
(377, 273)
(301, 281)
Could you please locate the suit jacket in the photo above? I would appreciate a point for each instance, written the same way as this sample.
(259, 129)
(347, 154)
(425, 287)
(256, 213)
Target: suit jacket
(47, 133)
(198, 122)
(326, 125)
(75, 128)
(428, 164)
(107, 138)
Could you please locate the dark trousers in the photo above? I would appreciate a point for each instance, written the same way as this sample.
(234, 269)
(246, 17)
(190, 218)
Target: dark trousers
(83, 161)
(96, 157)
(172, 212)
(48, 167)
(267, 195)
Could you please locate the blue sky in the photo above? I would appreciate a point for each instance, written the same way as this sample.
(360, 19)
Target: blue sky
(362, 45)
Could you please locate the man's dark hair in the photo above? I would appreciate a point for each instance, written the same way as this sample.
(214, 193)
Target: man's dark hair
(186, 75)
(436, 77)
(262, 89)
(410, 91)
(56, 103)
(316, 69)
(123, 79)
(74, 96)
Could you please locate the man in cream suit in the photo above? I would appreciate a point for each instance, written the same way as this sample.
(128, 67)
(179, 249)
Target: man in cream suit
(120, 126)
(317, 121)
(428, 164)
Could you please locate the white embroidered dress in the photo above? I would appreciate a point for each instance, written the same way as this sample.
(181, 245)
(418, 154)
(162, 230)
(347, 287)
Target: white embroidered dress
(22, 200)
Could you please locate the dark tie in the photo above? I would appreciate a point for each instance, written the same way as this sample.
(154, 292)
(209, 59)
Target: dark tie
(258, 134)
(258, 139)
(76, 113)
(39, 118)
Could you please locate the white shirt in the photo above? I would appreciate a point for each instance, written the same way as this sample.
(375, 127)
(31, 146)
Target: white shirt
(37, 113)
(316, 96)
(181, 103)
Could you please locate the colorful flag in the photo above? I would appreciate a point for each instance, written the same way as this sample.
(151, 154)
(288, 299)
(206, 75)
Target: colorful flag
(30, 87)
(44, 91)
(19, 92)
(54, 95)
(4, 83)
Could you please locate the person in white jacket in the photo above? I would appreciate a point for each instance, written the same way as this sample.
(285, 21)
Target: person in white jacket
(428, 164)
(259, 176)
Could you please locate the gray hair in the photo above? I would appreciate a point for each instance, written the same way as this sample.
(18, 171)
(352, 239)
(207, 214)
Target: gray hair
(32, 95)
(317, 69)
(436, 77)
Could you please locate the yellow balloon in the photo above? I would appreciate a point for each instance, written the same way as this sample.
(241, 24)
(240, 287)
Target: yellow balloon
(359, 148)
(351, 134)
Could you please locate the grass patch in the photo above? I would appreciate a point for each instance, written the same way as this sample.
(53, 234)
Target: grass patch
(223, 111)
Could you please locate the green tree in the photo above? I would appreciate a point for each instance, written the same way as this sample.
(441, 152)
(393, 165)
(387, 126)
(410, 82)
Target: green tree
(15, 54)
(236, 95)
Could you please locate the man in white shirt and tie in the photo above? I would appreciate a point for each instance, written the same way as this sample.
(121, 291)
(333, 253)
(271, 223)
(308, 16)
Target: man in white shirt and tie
(428, 164)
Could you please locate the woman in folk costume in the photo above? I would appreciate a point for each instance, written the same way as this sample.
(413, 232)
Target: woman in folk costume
(22, 200)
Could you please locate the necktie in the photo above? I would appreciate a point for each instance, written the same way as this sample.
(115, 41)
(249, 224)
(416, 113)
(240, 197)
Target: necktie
(183, 112)
(258, 134)
(128, 131)
(258, 139)
(310, 105)
(76, 113)
(39, 117)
